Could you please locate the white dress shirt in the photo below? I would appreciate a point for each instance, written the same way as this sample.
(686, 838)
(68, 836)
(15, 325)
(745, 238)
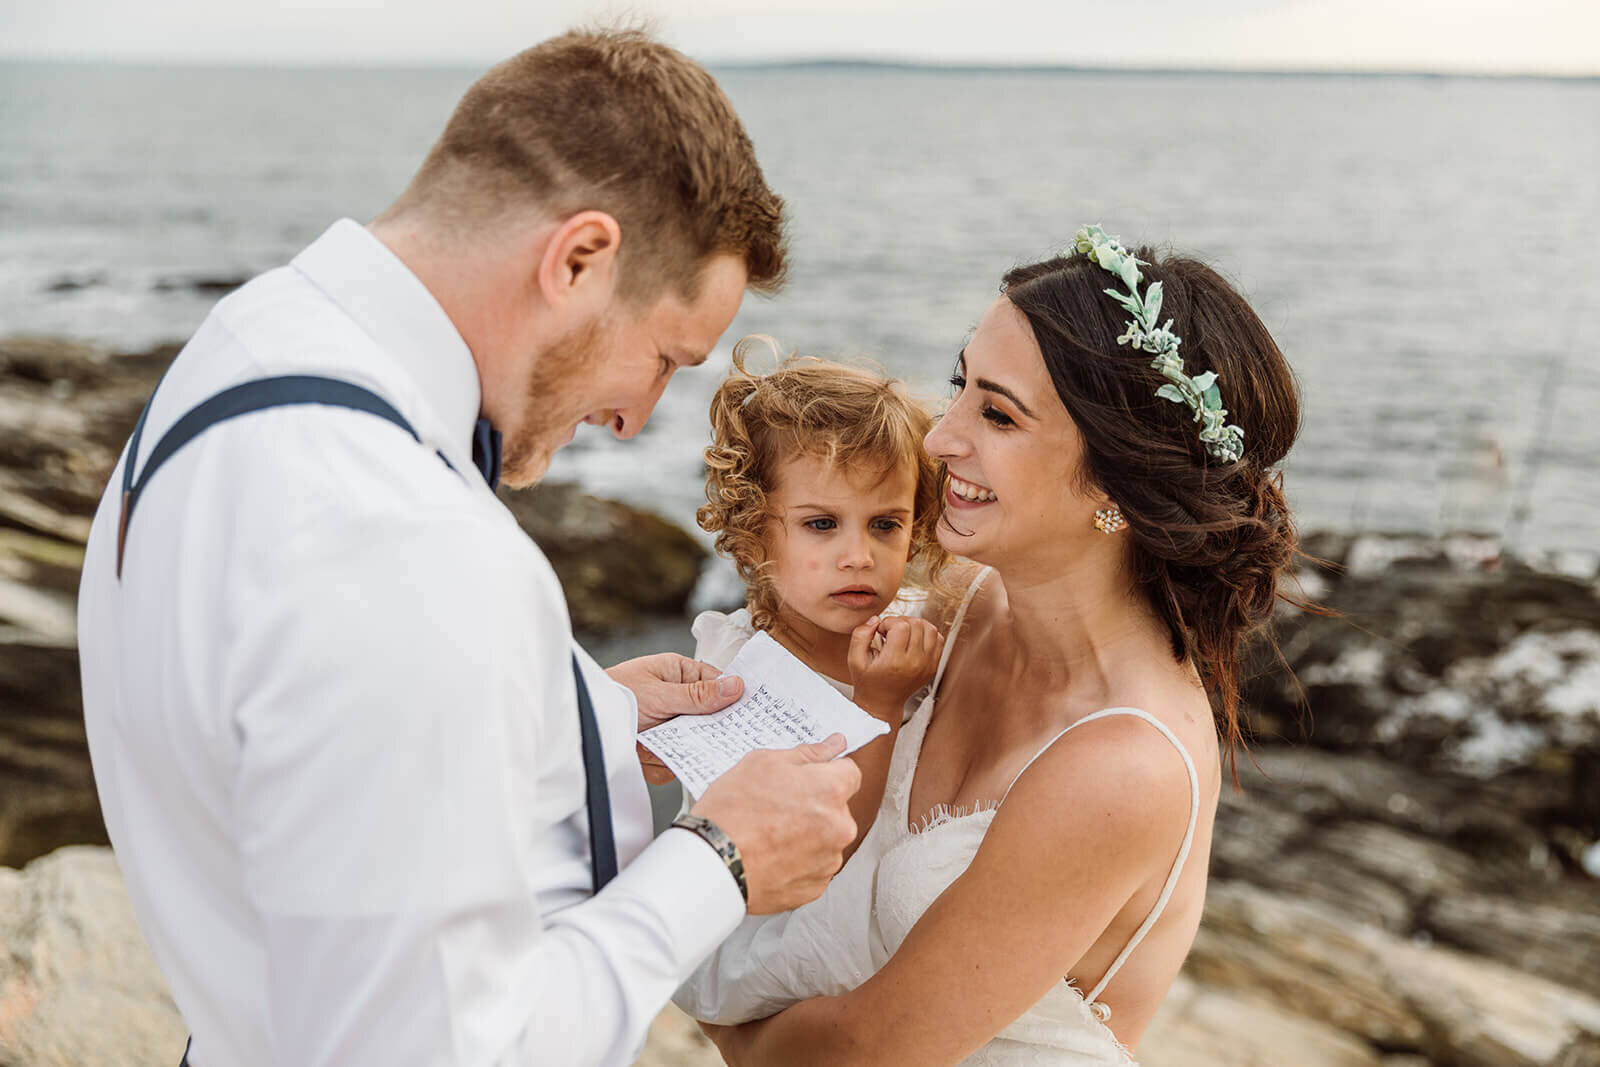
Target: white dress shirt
(333, 723)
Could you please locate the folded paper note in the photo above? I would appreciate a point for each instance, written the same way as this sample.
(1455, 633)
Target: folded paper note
(785, 704)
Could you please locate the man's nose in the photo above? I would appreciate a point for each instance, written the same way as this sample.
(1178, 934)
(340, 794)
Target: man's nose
(627, 422)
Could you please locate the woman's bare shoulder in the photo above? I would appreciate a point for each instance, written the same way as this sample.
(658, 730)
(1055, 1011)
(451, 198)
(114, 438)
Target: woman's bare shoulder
(1116, 771)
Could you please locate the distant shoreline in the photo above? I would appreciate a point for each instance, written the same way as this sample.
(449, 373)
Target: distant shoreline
(836, 65)
(870, 66)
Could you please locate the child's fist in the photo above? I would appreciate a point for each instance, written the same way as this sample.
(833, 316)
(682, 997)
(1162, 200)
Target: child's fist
(891, 658)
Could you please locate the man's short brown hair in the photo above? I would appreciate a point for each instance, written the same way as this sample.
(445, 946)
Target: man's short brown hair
(611, 120)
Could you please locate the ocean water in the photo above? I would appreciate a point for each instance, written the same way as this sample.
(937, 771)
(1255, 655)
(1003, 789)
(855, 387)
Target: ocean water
(1425, 250)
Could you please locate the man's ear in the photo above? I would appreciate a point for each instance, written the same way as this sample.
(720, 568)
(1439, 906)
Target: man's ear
(579, 264)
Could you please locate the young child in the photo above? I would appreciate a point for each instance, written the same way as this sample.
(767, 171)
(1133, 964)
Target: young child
(819, 490)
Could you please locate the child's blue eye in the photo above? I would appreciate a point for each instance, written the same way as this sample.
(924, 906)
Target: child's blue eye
(886, 524)
(821, 525)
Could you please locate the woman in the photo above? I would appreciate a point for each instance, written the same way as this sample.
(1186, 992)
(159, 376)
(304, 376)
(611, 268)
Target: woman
(1038, 867)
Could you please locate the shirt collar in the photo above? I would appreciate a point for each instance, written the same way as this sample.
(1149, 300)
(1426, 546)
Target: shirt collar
(374, 287)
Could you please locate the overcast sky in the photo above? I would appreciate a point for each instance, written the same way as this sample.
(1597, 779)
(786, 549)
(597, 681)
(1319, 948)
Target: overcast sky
(1498, 36)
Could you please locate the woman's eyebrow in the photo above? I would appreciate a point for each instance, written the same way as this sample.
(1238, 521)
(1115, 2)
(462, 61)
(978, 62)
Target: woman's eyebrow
(995, 387)
(990, 386)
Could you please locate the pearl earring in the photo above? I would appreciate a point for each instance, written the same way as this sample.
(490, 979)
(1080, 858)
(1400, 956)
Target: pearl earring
(1109, 520)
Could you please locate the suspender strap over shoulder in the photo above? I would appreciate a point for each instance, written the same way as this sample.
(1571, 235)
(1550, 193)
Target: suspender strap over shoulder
(291, 389)
(242, 399)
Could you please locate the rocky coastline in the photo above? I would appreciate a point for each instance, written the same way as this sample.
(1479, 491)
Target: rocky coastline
(1409, 875)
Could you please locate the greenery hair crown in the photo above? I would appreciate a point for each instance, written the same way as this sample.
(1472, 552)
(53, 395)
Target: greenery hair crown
(1200, 393)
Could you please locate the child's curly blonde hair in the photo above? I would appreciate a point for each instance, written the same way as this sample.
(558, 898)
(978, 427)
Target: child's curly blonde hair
(847, 416)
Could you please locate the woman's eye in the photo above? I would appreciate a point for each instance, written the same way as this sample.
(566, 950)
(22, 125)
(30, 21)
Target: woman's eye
(957, 382)
(996, 416)
(821, 525)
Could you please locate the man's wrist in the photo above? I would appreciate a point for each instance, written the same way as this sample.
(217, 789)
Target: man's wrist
(721, 843)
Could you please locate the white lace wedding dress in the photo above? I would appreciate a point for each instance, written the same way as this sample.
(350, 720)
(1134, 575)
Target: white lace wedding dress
(835, 943)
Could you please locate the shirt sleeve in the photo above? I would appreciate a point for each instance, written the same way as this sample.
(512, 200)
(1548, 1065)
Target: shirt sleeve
(395, 691)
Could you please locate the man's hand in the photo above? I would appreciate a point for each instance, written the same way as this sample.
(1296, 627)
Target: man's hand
(667, 685)
(788, 811)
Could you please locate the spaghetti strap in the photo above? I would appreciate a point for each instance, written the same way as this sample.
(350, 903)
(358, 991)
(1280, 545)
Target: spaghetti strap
(1183, 851)
(955, 626)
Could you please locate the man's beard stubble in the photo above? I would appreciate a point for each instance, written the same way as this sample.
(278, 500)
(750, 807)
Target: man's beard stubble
(552, 385)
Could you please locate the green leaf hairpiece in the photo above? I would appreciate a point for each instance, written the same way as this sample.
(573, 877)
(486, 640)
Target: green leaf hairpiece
(1200, 393)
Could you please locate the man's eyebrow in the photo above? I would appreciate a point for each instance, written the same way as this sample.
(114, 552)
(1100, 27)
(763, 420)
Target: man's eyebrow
(995, 387)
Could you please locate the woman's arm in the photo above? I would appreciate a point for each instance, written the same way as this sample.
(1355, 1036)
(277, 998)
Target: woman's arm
(1015, 923)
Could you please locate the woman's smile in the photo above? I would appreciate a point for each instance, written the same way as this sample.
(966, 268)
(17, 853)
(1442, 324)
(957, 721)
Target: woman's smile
(965, 494)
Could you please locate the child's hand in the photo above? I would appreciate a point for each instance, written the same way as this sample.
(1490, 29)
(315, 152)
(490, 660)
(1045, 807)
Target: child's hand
(891, 658)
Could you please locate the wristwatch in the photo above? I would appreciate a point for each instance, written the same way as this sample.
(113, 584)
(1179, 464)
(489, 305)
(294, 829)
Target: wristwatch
(713, 835)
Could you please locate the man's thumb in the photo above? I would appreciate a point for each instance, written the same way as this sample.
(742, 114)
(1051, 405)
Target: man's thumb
(831, 748)
(714, 694)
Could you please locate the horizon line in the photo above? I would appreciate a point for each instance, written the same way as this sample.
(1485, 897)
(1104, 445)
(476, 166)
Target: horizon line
(826, 62)
(1070, 67)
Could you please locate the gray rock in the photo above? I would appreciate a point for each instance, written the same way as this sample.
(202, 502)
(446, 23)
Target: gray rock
(1557, 941)
(619, 565)
(47, 795)
(1401, 995)
(1309, 959)
(1200, 1024)
(77, 985)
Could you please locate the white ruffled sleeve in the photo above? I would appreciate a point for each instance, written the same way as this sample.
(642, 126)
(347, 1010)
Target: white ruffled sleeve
(827, 947)
(772, 961)
(718, 637)
(909, 602)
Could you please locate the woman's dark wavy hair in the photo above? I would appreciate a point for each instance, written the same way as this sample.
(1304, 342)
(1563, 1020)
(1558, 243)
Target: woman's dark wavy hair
(1211, 539)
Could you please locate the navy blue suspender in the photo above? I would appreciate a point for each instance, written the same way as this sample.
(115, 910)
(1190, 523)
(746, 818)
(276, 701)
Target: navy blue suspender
(311, 389)
(242, 400)
(602, 845)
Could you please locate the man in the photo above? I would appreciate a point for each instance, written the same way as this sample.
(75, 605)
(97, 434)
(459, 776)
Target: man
(329, 684)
